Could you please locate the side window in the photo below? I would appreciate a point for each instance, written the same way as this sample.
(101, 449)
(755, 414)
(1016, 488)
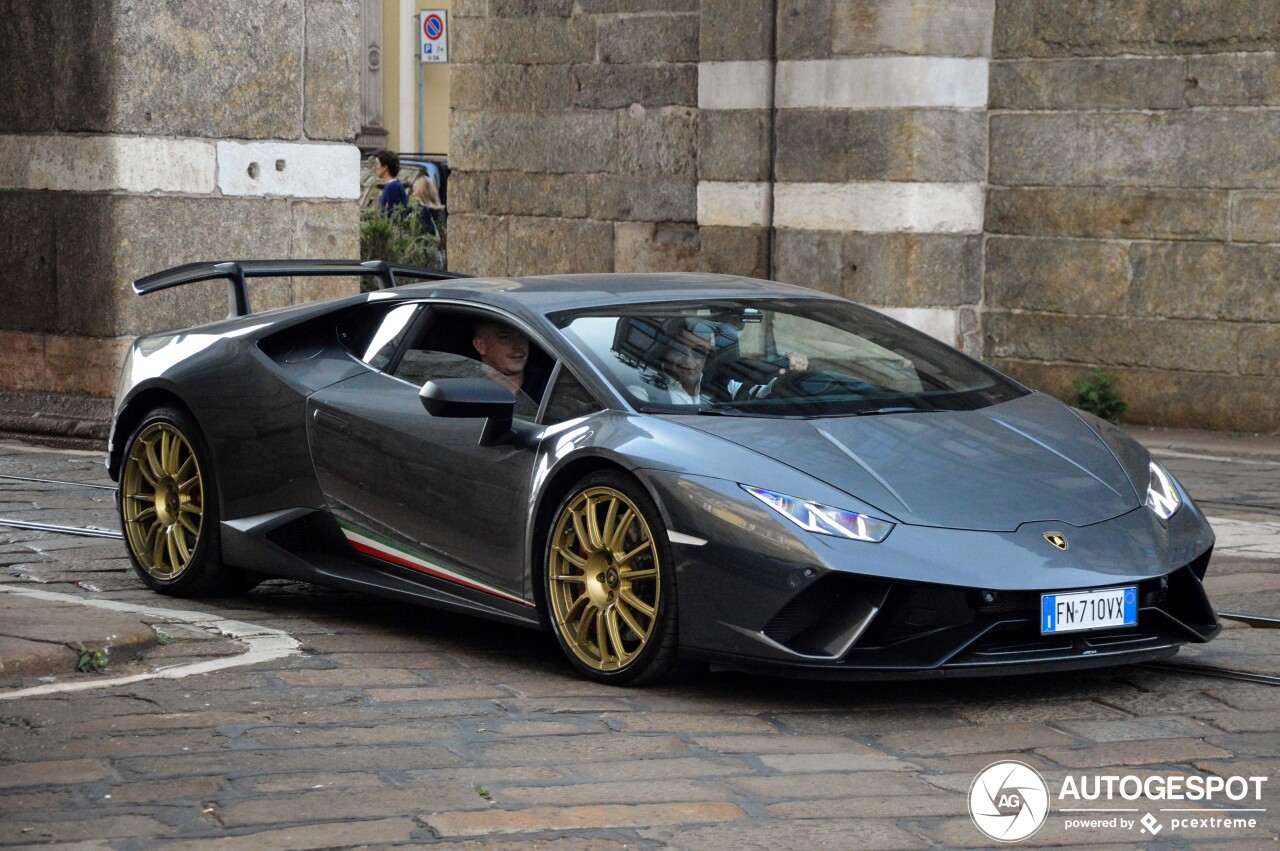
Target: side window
(569, 400)
(469, 344)
(418, 366)
(374, 332)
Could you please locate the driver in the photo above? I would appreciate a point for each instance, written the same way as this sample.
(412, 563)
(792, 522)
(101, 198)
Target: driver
(504, 349)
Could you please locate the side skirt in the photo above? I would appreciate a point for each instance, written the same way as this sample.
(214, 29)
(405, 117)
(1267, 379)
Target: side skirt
(308, 545)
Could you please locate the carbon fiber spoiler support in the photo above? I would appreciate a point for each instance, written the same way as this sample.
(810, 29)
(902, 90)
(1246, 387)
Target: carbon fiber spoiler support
(237, 273)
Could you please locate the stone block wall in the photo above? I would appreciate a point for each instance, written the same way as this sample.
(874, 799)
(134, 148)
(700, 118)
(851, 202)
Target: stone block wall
(831, 143)
(1052, 186)
(1133, 213)
(881, 155)
(137, 136)
(574, 137)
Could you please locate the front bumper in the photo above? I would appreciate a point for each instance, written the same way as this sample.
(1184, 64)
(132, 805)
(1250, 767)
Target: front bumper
(918, 630)
(758, 596)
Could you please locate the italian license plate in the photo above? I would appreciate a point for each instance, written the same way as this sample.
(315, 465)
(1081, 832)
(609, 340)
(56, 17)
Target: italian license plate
(1080, 610)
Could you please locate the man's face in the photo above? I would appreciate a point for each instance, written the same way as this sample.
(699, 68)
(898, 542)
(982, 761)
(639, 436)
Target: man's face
(380, 170)
(685, 357)
(505, 349)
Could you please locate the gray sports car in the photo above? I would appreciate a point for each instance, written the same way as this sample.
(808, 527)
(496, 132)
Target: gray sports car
(663, 469)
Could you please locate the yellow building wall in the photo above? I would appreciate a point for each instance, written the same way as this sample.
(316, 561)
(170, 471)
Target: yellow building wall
(434, 97)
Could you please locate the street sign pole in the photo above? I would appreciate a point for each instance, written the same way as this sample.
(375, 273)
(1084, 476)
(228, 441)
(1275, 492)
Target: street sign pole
(422, 117)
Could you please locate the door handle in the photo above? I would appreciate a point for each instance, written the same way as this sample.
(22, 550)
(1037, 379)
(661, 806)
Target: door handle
(332, 421)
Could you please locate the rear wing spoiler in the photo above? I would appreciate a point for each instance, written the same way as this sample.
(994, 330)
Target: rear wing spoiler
(238, 272)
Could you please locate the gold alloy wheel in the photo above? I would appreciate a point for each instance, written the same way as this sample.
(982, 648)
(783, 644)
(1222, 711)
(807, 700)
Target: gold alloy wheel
(162, 501)
(603, 578)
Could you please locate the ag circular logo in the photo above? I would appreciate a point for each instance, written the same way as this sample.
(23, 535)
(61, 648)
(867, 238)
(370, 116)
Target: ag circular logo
(1008, 801)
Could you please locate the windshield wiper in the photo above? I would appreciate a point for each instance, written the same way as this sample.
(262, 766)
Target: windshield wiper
(895, 409)
(708, 410)
(717, 411)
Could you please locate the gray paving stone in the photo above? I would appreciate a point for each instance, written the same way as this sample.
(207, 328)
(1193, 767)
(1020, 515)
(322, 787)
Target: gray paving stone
(868, 722)
(314, 805)
(661, 768)
(1136, 730)
(1130, 754)
(829, 784)
(1049, 712)
(71, 829)
(1248, 745)
(798, 834)
(973, 739)
(322, 835)
(557, 750)
(608, 792)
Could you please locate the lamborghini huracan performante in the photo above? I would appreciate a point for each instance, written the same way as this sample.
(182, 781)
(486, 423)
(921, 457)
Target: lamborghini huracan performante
(663, 470)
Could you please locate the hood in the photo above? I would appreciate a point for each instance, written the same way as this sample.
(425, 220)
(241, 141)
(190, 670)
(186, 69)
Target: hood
(1026, 460)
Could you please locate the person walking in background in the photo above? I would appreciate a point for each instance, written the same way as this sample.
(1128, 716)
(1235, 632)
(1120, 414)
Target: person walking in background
(387, 165)
(431, 211)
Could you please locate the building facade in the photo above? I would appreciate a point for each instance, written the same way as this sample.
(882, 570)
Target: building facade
(137, 136)
(404, 102)
(1051, 186)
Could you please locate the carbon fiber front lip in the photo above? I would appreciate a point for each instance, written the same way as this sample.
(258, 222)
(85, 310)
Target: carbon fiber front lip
(949, 671)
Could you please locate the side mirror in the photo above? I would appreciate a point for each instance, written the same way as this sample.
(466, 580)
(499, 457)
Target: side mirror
(471, 398)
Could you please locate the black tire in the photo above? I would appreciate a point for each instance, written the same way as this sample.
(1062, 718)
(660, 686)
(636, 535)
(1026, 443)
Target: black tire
(588, 586)
(168, 507)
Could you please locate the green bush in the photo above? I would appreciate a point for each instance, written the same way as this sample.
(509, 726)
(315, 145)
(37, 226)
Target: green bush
(1097, 392)
(397, 237)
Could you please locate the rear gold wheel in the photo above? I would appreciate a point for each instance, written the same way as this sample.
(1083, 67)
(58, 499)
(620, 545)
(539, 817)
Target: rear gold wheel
(162, 501)
(169, 508)
(608, 585)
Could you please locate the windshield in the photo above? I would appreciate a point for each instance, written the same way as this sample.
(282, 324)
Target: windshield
(778, 357)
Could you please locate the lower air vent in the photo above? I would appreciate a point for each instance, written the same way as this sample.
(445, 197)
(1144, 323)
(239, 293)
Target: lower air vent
(825, 618)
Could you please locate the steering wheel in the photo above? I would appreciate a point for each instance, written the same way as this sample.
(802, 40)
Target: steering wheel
(799, 384)
(808, 384)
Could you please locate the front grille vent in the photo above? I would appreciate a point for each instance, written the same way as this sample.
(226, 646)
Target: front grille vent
(1009, 602)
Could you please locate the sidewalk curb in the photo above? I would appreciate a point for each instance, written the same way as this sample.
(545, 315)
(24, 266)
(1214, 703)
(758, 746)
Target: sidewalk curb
(25, 652)
(1228, 444)
(264, 644)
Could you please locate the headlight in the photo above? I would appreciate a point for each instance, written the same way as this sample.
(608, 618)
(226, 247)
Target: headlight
(1162, 493)
(823, 519)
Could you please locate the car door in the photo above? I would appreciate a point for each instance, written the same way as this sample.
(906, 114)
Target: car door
(420, 491)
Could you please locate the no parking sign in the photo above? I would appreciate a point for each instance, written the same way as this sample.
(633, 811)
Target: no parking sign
(433, 33)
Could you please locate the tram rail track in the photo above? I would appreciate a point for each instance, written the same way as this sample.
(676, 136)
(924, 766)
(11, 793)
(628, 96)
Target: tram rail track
(1210, 671)
(38, 480)
(1256, 621)
(62, 529)
(82, 531)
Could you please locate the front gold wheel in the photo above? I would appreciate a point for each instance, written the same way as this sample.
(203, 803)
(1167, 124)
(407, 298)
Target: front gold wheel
(604, 579)
(162, 499)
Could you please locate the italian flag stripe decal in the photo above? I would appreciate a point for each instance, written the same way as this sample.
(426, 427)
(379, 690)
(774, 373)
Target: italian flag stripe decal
(380, 548)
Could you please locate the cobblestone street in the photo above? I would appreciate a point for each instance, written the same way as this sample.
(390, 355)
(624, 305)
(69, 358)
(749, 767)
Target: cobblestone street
(377, 724)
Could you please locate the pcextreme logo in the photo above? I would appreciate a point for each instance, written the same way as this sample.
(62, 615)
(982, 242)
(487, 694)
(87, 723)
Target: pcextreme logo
(1009, 801)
